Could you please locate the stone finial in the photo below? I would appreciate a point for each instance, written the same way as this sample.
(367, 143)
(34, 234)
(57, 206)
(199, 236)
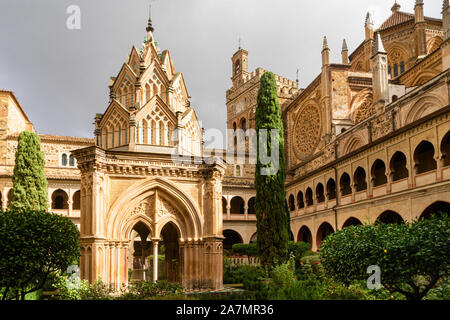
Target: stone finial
(396, 7)
(419, 2)
(369, 20)
(378, 45)
(344, 45)
(445, 5)
(325, 43)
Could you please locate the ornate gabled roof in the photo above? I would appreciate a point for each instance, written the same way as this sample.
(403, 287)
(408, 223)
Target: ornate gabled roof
(395, 19)
(400, 17)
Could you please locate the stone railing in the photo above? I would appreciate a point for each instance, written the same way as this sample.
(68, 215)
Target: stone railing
(244, 260)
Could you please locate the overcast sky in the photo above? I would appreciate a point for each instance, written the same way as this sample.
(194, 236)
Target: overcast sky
(61, 76)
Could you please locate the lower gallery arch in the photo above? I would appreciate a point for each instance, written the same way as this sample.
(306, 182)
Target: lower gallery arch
(436, 208)
(324, 230)
(304, 235)
(231, 237)
(352, 221)
(170, 249)
(389, 217)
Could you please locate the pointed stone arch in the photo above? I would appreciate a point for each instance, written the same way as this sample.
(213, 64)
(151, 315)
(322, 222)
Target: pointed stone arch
(424, 106)
(362, 106)
(188, 219)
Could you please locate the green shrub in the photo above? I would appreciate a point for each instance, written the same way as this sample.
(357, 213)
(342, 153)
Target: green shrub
(309, 289)
(440, 292)
(299, 249)
(412, 257)
(33, 246)
(242, 273)
(310, 267)
(245, 249)
(338, 291)
(144, 290)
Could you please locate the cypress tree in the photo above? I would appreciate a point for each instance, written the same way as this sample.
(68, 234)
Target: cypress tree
(270, 204)
(29, 192)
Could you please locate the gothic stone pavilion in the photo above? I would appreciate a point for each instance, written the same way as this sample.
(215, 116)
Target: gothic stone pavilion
(368, 139)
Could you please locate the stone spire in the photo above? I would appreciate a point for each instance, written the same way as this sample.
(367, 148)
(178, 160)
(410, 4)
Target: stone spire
(445, 5)
(380, 77)
(325, 52)
(368, 26)
(344, 52)
(325, 43)
(378, 45)
(369, 20)
(395, 8)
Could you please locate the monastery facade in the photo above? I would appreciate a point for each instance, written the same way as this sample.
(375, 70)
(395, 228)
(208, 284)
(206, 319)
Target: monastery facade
(368, 139)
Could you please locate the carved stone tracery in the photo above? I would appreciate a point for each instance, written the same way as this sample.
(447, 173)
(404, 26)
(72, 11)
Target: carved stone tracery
(307, 130)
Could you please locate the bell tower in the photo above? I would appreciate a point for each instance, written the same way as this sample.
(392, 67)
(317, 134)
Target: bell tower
(240, 67)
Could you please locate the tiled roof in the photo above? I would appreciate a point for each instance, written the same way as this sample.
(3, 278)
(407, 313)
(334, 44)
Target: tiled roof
(395, 19)
(63, 139)
(400, 17)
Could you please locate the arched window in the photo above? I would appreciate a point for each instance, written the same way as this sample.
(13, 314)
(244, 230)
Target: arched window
(378, 173)
(304, 235)
(435, 209)
(59, 199)
(445, 149)
(251, 206)
(309, 197)
(244, 125)
(64, 159)
(71, 161)
(402, 67)
(346, 188)
(231, 237)
(224, 205)
(398, 166)
(424, 157)
(300, 201)
(351, 222)
(324, 230)
(160, 133)
(237, 66)
(169, 135)
(395, 70)
(147, 93)
(331, 189)
(389, 217)
(291, 203)
(237, 206)
(320, 193)
(76, 200)
(390, 71)
(360, 179)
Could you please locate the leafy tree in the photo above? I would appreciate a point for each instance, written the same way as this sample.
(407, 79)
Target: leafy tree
(33, 246)
(412, 257)
(270, 204)
(29, 192)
